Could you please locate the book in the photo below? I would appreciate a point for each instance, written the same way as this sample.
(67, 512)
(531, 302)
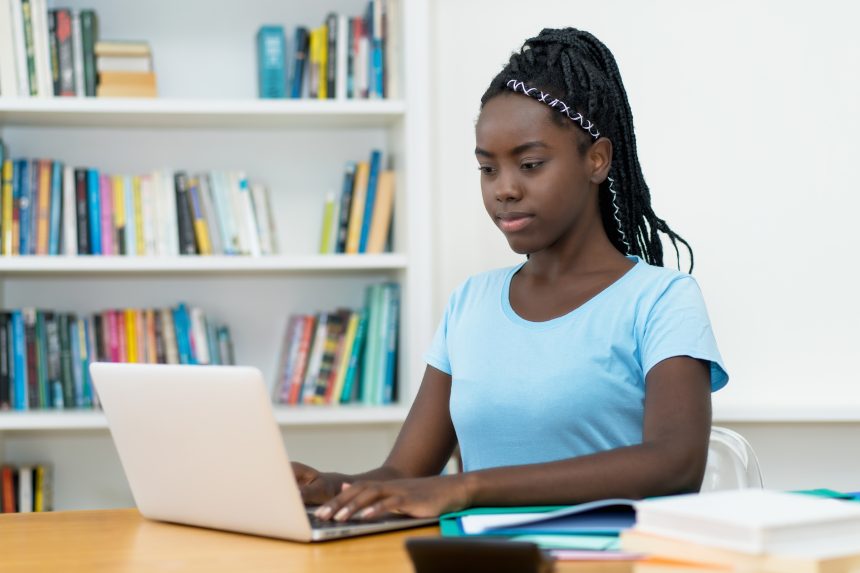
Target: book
(327, 224)
(7, 488)
(69, 235)
(187, 243)
(89, 34)
(300, 51)
(53, 52)
(25, 489)
(799, 560)
(271, 62)
(41, 48)
(5, 361)
(370, 198)
(382, 212)
(331, 24)
(106, 196)
(65, 52)
(82, 212)
(122, 48)
(94, 209)
(345, 207)
(297, 375)
(351, 377)
(29, 49)
(8, 54)
(356, 214)
(6, 204)
(107, 64)
(335, 391)
(78, 54)
(754, 521)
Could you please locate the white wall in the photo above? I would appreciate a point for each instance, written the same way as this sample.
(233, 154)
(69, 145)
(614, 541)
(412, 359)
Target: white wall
(747, 125)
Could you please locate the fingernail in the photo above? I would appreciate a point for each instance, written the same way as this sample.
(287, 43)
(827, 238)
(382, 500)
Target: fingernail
(341, 515)
(345, 485)
(323, 512)
(366, 512)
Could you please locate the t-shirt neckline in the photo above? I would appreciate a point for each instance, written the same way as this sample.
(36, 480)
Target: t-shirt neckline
(509, 311)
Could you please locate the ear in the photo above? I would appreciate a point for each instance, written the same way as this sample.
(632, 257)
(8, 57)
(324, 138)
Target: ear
(599, 157)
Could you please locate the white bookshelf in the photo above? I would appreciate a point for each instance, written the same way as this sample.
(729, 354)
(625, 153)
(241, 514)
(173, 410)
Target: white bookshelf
(207, 118)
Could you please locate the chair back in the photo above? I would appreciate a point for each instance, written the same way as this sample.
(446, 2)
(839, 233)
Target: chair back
(732, 463)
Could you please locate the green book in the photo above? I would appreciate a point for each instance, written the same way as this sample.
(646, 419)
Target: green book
(370, 364)
(42, 360)
(89, 33)
(29, 45)
(354, 359)
(66, 373)
(327, 225)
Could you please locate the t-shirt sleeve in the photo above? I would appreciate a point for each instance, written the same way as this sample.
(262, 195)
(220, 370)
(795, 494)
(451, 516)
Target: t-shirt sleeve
(678, 325)
(437, 355)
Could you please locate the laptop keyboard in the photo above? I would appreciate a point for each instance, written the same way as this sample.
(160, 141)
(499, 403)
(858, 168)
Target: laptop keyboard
(317, 523)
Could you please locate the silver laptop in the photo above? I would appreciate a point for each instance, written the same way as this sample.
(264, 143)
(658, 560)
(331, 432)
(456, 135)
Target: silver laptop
(200, 446)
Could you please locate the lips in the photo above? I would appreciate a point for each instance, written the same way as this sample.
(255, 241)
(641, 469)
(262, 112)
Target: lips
(513, 221)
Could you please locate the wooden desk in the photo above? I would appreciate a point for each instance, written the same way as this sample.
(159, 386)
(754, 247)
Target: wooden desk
(121, 540)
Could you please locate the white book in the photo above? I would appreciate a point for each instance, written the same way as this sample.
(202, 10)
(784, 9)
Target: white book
(247, 213)
(25, 489)
(392, 49)
(130, 223)
(198, 332)
(237, 209)
(754, 521)
(20, 48)
(361, 69)
(41, 48)
(170, 224)
(213, 222)
(223, 207)
(147, 201)
(8, 63)
(70, 219)
(342, 53)
(262, 216)
(123, 64)
(78, 54)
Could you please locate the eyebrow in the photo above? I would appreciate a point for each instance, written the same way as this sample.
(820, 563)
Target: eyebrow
(516, 150)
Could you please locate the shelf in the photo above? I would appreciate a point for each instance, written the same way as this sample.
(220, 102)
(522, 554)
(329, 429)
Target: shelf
(285, 416)
(788, 414)
(198, 113)
(50, 265)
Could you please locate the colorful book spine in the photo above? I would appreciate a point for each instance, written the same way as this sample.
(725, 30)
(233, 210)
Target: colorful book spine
(187, 245)
(82, 212)
(382, 213)
(65, 53)
(107, 209)
(356, 214)
(20, 386)
(94, 207)
(24, 208)
(201, 229)
(7, 191)
(327, 224)
(130, 214)
(89, 30)
(299, 61)
(271, 62)
(370, 199)
(351, 377)
(119, 213)
(69, 232)
(44, 207)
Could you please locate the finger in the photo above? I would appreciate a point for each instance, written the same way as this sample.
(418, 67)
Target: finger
(366, 498)
(394, 504)
(304, 474)
(335, 504)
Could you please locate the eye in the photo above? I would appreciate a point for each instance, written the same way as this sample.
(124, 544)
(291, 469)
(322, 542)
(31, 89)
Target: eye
(530, 165)
(486, 169)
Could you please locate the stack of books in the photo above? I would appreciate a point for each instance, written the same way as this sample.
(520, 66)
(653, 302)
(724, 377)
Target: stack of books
(25, 488)
(48, 208)
(359, 219)
(45, 355)
(745, 530)
(125, 70)
(342, 357)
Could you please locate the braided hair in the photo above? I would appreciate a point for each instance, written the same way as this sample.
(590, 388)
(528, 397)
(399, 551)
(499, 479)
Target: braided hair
(577, 68)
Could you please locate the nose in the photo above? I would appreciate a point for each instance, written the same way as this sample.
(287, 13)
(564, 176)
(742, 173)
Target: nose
(508, 187)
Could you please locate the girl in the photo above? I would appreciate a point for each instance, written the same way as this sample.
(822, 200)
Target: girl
(586, 371)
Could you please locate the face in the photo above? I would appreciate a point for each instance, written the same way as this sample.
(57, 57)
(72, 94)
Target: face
(537, 186)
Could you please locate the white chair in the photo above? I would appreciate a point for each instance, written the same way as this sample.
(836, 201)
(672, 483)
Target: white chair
(732, 463)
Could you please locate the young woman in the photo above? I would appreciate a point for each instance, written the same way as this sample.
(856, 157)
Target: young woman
(586, 371)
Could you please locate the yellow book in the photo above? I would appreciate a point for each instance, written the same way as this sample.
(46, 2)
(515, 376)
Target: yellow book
(140, 244)
(140, 333)
(151, 350)
(6, 223)
(356, 211)
(130, 336)
(44, 212)
(39, 489)
(382, 210)
(327, 222)
(346, 353)
(322, 42)
(201, 229)
(119, 213)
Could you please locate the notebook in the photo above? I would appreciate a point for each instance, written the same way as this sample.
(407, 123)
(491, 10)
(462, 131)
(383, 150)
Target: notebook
(200, 446)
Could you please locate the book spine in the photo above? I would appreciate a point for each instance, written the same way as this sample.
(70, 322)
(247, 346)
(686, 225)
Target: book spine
(392, 333)
(8, 479)
(20, 52)
(56, 206)
(139, 238)
(148, 207)
(271, 62)
(302, 356)
(21, 370)
(7, 199)
(282, 374)
(351, 376)
(247, 213)
(334, 338)
(341, 51)
(6, 367)
(333, 397)
(78, 54)
(382, 213)
(315, 359)
(377, 70)
(94, 207)
(25, 489)
(264, 219)
(67, 375)
(369, 362)
(25, 206)
(65, 53)
(356, 211)
(201, 229)
(29, 46)
(82, 211)
(370, 199)
(187, 244)
(54, 51)
(331, 55)
(45, 398)
(198, 335)
(327, 224)
(345, 207)
(140, 336)
(89, 32)
(69, 213)
(41, 47)
(119, 211)
(130, 215)
(299, 62)
(182, 342)
(33, 396)
(35, 197)
(107, 210)
(210, 214)
(158, 327)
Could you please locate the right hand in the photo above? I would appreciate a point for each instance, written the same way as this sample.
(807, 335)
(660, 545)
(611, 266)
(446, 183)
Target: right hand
(317, 487)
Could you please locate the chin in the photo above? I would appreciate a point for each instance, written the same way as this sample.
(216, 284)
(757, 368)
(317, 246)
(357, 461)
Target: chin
(520, 248)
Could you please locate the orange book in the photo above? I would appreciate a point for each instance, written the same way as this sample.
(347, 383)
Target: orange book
(7, 203)
(130, 336)
(302, 359)
(356, 210)
(382, 212)
(44, 210)
(8, 487)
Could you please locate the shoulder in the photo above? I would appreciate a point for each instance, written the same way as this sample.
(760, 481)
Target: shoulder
(479, 286)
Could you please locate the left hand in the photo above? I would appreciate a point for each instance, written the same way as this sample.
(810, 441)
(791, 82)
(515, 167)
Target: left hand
(418, 497)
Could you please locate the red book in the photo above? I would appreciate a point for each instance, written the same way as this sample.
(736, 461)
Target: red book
(8, 486)
(113, 336)
(302, 359)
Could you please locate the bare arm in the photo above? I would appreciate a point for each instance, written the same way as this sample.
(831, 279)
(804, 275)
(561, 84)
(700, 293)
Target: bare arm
(670, 459)
(422, 448)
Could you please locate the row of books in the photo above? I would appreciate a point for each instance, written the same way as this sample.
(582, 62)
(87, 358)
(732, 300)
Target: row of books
(56, 52)
(359, 219)
(345, 57)
(45, 355)
(25, 488)
(345, 356)
(47, 208)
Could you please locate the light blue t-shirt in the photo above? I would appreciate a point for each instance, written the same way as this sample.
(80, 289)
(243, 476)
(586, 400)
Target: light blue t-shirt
(528, 392)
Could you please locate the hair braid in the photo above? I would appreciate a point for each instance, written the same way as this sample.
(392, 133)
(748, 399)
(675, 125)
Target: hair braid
(576, 67)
